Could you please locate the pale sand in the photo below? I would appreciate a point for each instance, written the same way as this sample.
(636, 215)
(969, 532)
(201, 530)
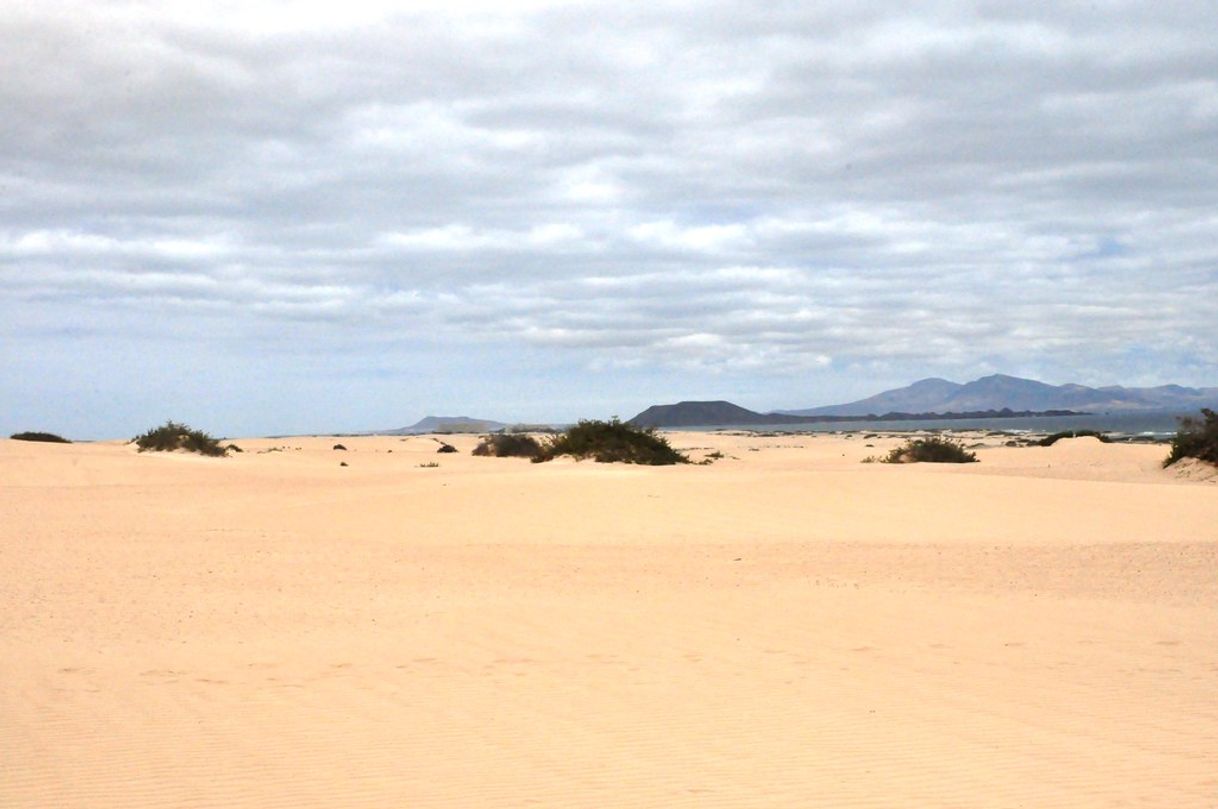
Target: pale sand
(787, 627)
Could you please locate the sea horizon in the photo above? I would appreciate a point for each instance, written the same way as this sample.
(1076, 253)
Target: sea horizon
(1143, 424)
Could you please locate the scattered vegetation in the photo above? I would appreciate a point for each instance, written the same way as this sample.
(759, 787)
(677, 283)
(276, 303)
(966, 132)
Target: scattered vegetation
(429, 465)
(611, 442)
(173, 436)
(509, 445)
(934, 449)
(49, 438)
(1196, 438)
(1050, 440)
(531, 428)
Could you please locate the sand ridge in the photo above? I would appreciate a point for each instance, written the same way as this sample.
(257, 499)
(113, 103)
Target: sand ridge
(786, 626)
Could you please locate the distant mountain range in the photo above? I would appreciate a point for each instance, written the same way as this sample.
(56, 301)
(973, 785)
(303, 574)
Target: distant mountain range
(447, 424)
(989, 397)
(1000, 391)
(996, 396)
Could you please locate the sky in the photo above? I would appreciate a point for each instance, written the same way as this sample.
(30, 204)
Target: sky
(316, 216)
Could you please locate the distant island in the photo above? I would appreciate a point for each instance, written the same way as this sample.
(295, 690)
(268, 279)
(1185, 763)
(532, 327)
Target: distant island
(447, 424)
(726, 414)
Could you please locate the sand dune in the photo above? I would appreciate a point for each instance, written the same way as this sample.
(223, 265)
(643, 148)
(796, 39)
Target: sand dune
(785, 627)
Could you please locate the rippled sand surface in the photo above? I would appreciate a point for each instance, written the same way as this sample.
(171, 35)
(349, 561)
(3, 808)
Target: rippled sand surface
(784, 627)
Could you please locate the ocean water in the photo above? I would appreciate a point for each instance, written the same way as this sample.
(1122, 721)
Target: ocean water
(1148, 425)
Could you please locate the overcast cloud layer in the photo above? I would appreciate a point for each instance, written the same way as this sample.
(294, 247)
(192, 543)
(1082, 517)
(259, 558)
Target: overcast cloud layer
(344, 216)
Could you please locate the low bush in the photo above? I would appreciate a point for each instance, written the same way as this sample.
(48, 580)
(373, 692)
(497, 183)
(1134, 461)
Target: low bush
(509, 445)
(339, 447)
(1050, 440)
(611, 442)
(49, 438)
(1196, 438)
(934, 449)
(446, 448)
(173, 436)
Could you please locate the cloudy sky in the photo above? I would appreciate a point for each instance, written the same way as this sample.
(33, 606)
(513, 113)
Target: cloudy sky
(342, 216)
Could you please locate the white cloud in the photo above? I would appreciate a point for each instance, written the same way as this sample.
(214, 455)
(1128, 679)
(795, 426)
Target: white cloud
(699, 188)
(667, 235)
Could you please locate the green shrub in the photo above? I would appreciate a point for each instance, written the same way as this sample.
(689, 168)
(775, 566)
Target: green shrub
(611, 442)
(1050, 440)
(49, 438)
(1196, 438)
(509, 445)
(934, 449)
(173, 436)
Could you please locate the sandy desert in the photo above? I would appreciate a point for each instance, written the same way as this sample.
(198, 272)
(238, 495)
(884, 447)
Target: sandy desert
(784, 627)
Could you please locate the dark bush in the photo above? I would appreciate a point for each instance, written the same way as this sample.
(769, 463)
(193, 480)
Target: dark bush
(509, 445)
(1196, 438)
(445, 448)
(934, 449)
(234, 448)
(172, 436)
(340, 447)
(49, 438)
(1050, 440)
(611, 442)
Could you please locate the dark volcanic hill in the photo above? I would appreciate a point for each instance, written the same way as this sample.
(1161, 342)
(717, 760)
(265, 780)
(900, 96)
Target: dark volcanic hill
(1001, 391)
(705, 414)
